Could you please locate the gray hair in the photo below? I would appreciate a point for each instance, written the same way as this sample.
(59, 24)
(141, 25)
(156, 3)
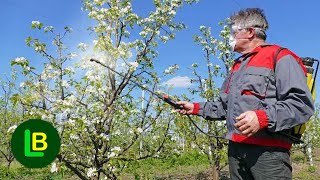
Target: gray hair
(251, 17)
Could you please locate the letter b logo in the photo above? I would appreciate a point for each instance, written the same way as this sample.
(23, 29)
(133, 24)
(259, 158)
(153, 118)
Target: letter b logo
(40, 143)
(27, 151)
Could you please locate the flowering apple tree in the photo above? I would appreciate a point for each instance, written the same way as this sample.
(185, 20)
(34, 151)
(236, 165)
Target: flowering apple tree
(11, 114)
(216, 51)
(94, 105)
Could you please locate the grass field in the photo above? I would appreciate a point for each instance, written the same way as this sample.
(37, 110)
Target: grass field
(188, 166)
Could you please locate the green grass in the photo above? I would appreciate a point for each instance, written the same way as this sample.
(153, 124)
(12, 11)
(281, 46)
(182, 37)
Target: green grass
(17, 171)
(154, 168)
(298, 157)
(191, 165)
(317, 158)
(305, 175)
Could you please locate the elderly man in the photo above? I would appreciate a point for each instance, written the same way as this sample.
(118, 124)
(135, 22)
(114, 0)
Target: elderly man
(264, 96)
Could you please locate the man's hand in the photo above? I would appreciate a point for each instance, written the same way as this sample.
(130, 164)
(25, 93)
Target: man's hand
(187, 107)
(248, 123)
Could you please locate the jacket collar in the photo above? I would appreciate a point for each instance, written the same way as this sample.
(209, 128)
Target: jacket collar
(253, 52)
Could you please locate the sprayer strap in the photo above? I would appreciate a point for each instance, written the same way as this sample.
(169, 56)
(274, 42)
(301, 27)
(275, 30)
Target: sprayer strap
(275, 58)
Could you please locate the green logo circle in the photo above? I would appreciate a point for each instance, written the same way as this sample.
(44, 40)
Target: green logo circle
(35, 143)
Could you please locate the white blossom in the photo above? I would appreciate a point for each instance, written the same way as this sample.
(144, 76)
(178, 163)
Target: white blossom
(93, 14)
(82, 46)
(48, 28)
(27, 68)
(54, 168)
(99, 2)
(194, 65)
(213, 41)
(173, 111)
(175, 3)
(91, 172)
(134, 64)
(12, 128)
(139, 130)
(35, 23)
(123, 65)
(124, 10)
(143, 34)
(112, 154)
(104, 136)
(39, 47)
(23, 84)
(116, 148)
(177, 151)
(20, 60)
(117, 132)
(157, 154)
(202, 28)
(49, 66)
(204, 146)
(69, 70)
(67, 102)
(93, 76)
(72, 98)
(164, 38)
(171, 69)
(46, 75)
(74, 137)
(65, 83)
(44, 116)
(73, 55)
(174, 138)
(72, 123)
(134, 111)
(90, 89)
(172, 12)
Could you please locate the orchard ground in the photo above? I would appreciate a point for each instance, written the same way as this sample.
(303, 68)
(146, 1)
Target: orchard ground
(186, 166)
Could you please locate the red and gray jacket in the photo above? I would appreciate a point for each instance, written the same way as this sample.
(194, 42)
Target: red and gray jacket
(280, 97)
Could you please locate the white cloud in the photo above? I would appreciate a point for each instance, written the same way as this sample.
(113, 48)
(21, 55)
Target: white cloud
(178, 81)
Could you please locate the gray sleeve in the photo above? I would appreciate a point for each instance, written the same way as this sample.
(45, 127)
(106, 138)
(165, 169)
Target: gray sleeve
(294, 104)
(215, 110)
(212, 110)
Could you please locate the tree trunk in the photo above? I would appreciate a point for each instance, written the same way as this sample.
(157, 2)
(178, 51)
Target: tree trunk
(215, 172)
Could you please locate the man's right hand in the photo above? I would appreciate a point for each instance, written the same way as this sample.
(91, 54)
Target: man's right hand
(187, 107)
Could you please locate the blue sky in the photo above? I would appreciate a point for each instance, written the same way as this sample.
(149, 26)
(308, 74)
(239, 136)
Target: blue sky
(293, 24)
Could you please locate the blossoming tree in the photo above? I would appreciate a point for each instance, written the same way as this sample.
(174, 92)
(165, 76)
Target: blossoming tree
(96, 110)
(10, 113)
(215, 50)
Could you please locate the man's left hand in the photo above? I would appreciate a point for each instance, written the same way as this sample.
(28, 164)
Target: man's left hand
(248, 123)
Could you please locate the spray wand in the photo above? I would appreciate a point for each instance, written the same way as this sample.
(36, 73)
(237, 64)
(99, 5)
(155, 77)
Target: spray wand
(164, 97)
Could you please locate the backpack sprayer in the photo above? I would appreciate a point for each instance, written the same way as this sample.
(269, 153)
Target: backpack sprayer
(164, 97)
(308, 62)
(295, 133)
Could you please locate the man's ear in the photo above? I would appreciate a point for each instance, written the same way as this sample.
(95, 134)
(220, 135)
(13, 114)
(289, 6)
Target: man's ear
(251, 33)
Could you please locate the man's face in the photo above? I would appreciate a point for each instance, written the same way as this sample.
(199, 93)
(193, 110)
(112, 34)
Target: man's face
(242, 36)
(235, 30)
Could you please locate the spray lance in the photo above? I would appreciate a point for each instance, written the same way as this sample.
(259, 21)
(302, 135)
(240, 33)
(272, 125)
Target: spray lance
(164, 97)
